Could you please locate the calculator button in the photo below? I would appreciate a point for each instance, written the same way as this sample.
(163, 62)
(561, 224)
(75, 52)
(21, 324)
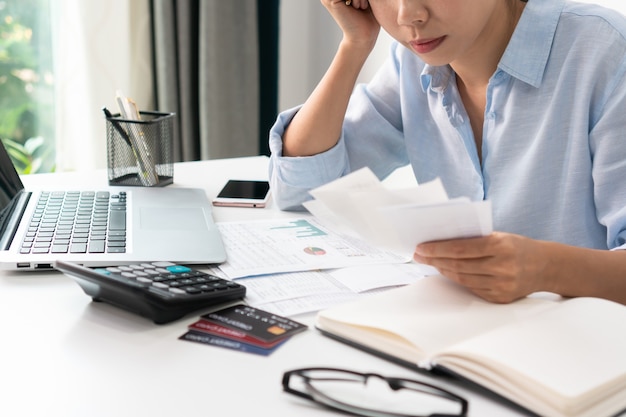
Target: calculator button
(162, 264)
(177, 291)
(218, 285)
(192, 290)
(161, 278)
(178, 269)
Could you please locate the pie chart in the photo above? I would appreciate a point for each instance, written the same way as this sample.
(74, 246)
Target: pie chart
(312, 250)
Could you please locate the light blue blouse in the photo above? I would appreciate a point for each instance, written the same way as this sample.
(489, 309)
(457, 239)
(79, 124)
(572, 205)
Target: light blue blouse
(554, 136)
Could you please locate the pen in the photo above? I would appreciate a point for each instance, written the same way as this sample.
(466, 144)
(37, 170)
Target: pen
(147, 169)
(117, 126)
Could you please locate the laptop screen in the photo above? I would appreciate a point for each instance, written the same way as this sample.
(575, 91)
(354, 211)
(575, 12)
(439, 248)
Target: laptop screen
(10, 183)
(10, 188)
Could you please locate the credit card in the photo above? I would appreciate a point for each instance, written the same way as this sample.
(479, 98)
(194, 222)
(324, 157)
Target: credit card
(259, 324)
(209, 339)
(205, 326)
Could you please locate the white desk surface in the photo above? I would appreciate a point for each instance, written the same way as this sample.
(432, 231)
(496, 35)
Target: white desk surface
(63, 355)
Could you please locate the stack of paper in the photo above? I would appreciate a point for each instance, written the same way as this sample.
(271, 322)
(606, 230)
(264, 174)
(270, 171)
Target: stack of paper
(397, 219)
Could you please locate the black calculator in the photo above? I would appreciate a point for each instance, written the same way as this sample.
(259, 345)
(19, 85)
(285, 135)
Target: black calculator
(160, 291)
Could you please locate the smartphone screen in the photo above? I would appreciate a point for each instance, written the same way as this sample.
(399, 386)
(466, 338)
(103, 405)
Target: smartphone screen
(243, 193)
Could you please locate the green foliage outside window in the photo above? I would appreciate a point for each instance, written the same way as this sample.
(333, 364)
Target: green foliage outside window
(27, 84)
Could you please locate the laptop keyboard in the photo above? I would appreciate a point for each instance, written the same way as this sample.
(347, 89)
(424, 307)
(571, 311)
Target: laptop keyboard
(77, 222)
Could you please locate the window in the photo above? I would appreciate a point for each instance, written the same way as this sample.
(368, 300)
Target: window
(26, 84)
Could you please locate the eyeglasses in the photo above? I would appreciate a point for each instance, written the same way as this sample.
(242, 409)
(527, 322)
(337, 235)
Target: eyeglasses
(372, 395)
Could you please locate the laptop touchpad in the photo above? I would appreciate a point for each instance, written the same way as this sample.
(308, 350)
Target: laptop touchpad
(180, 218)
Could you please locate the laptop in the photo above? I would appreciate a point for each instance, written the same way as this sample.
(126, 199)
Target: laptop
(103, 227)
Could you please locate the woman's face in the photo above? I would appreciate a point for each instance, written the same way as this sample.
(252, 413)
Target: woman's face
(443, 31)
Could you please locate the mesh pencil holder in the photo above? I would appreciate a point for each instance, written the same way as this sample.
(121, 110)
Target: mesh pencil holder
(140, 152)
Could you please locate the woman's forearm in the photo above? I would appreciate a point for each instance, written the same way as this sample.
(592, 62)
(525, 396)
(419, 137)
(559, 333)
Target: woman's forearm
(317, 126)
(574, 272)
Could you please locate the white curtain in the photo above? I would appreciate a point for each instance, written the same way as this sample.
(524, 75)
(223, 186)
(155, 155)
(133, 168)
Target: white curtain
(99, 47)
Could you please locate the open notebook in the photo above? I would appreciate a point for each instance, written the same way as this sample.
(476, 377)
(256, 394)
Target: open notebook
(103, 227)
(557, 358)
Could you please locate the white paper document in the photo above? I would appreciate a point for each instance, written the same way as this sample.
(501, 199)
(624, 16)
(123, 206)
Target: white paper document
(305, 292)
(397, 219)
(288, 245)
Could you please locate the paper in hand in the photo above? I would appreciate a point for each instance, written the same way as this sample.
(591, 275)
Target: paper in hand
(398, 219)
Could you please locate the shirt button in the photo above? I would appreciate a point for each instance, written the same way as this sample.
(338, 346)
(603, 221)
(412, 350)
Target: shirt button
(491, 115)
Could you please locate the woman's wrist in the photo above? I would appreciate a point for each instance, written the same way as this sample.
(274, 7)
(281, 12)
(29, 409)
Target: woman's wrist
(574, 272)
(359, 49)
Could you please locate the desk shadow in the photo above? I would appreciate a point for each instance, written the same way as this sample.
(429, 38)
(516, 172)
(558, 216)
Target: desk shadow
(108, 315)
(33, 278)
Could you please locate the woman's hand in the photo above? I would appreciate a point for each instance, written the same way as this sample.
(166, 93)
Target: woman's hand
(500, 267)
(355, 19)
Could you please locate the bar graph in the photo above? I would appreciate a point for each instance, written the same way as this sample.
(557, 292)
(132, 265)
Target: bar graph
(301, 228)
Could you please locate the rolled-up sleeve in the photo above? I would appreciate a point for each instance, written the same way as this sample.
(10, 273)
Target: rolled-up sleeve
(291, 178)
(371, 136)
(608, 147)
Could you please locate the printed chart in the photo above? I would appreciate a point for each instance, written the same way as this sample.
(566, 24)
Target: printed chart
(274, 246)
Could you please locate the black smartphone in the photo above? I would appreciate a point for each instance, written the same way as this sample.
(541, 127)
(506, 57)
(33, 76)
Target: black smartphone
(243, 193)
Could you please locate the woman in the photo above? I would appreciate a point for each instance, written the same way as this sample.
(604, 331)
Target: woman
(521, 103)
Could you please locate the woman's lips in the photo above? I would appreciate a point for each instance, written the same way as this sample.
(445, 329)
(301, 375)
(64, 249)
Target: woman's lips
(427, 45)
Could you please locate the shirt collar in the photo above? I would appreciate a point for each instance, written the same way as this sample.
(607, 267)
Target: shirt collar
(527, 53)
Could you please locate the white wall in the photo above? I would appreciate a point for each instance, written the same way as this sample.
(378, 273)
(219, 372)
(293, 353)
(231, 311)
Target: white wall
(618, 5)
(309, 38)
